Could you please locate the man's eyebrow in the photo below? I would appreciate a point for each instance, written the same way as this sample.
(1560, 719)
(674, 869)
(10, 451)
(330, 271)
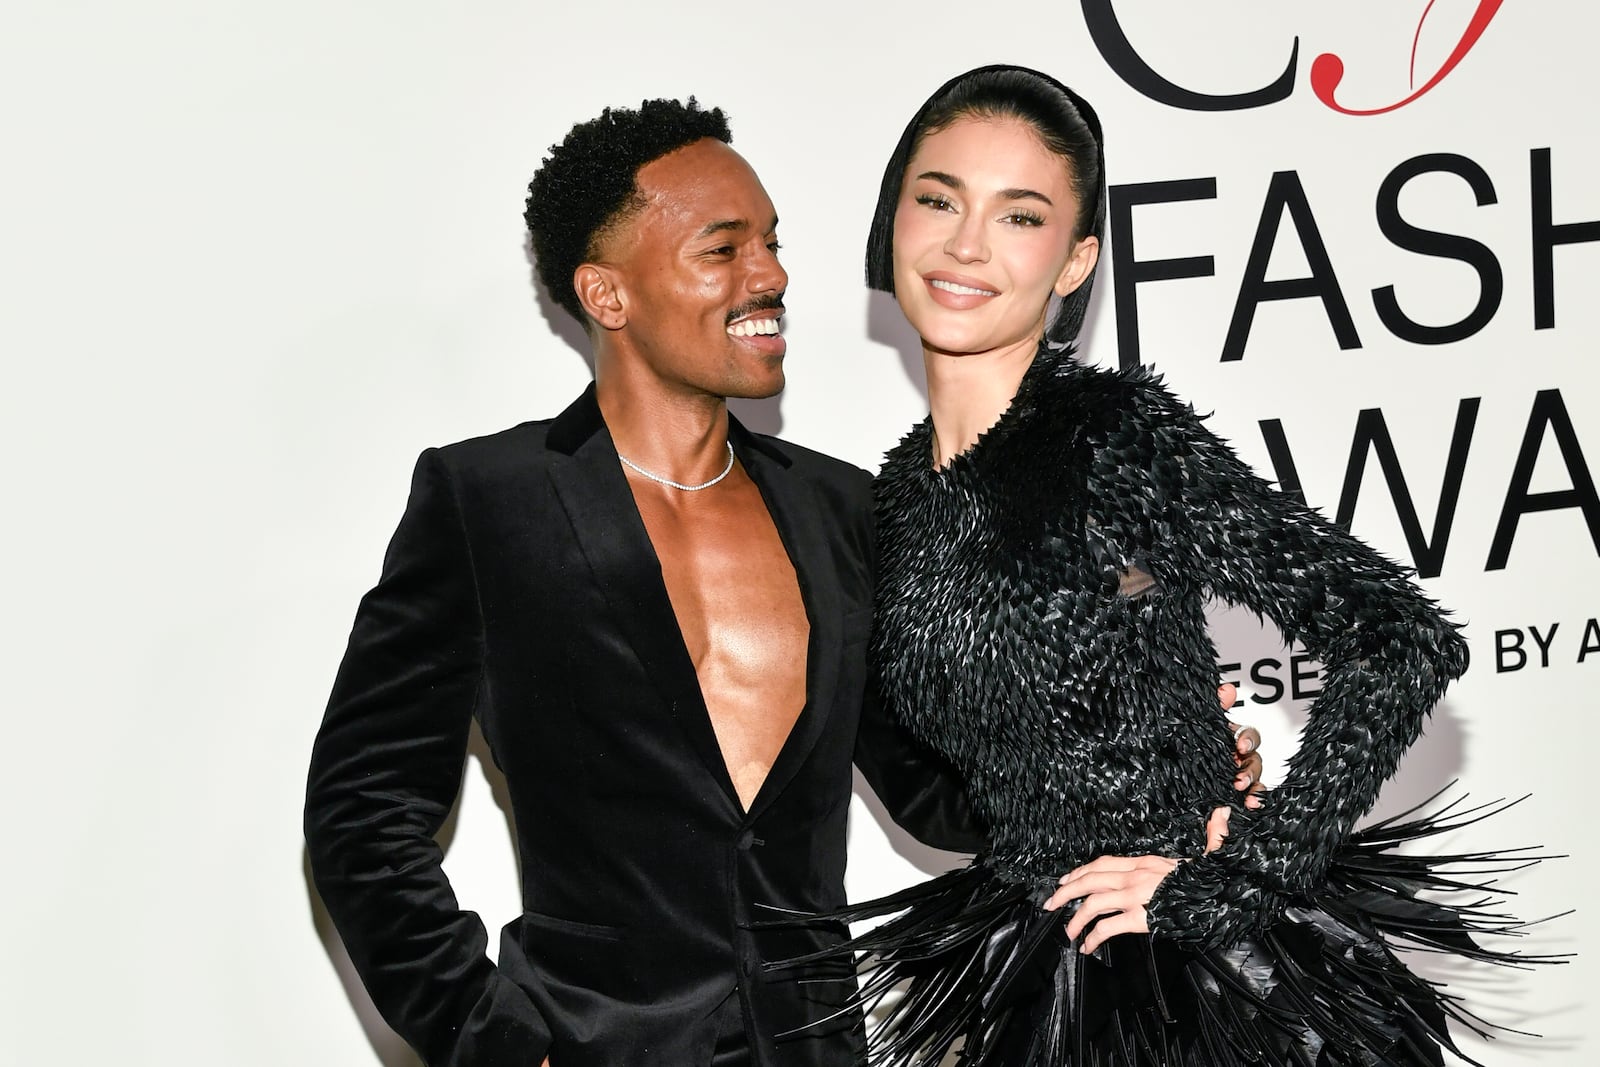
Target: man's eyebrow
(730, 225)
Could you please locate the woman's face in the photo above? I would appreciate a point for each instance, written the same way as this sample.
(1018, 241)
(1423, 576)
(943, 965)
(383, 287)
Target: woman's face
(983, 236)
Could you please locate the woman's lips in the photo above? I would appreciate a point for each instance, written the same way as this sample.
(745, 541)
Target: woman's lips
(957, 291)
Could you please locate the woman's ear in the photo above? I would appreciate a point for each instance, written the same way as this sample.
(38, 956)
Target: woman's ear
(600, 293)
(1085, 254)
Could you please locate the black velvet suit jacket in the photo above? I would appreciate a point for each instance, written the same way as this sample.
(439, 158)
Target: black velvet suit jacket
(522, 588)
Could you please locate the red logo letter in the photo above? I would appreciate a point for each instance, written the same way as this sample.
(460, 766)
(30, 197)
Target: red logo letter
(1327, 70)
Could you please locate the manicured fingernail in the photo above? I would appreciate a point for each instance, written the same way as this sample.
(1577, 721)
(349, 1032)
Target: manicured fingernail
(1248, 745)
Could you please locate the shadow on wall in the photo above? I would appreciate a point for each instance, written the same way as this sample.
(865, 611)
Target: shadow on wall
(562, 324)
(389, 1048)
(886, 326)
(930, 861)
(386, 1044)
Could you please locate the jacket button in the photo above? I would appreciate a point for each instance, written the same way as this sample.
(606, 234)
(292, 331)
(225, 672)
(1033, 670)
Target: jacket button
(746, 841)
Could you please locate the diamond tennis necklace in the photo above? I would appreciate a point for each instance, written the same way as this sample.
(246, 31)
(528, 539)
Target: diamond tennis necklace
(654, 477)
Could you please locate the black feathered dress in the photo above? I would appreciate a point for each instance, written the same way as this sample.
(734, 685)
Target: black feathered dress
(1041, 624)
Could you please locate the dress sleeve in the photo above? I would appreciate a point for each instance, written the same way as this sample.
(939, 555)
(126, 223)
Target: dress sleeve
(1388, 651)
(385, 770)
(919, 788)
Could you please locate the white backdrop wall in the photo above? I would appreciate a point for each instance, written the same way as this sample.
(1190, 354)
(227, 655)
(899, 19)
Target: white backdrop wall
(255, 257)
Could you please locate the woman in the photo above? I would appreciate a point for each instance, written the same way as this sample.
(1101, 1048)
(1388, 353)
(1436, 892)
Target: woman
(1049, 537)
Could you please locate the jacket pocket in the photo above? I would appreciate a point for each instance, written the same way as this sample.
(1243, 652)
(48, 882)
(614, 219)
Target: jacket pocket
(556, 925)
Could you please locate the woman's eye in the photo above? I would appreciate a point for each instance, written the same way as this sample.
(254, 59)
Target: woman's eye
(1024, 218)
(935, 201)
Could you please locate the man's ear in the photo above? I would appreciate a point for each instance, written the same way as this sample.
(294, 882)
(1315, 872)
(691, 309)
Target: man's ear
(1085, 254)
(600, 294)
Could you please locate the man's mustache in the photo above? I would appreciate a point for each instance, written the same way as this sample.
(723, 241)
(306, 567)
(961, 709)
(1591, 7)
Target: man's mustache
(760, 303)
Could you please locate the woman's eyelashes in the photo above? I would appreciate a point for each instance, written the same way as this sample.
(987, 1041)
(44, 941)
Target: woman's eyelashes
(1015, 216)
(1021, 217)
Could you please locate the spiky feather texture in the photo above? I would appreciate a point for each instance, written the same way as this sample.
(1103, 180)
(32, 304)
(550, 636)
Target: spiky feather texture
(1041, 623)
(1019, 633)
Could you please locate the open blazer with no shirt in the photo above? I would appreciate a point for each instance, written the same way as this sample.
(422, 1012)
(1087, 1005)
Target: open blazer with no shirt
(522, 589)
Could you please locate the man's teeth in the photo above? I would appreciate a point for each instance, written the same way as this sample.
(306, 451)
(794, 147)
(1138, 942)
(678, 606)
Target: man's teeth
(964, 290)
(752, 327)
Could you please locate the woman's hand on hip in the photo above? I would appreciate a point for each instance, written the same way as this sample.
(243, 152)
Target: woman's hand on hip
(1114, 890)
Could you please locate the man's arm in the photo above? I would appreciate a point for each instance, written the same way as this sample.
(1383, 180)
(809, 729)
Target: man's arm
(385, 770)
(922, 793)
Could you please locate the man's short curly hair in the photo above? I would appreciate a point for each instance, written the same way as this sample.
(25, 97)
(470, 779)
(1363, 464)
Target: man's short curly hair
(585, 187)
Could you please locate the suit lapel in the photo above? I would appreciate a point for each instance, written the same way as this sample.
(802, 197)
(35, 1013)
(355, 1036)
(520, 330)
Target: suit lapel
(594, 492)
(796, 510)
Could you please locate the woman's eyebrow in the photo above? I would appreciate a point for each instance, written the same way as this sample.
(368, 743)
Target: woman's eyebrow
(1024, 194)
(1005, 194)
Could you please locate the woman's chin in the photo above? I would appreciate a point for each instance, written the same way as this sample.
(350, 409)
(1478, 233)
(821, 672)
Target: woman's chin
(941, 335)
(966, 342)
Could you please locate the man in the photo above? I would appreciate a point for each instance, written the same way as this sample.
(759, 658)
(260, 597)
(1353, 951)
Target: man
(660, 621)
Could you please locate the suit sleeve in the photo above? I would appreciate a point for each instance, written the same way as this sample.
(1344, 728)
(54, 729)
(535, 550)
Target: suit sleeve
(1388, 652)
(385, 770)
(922, 793)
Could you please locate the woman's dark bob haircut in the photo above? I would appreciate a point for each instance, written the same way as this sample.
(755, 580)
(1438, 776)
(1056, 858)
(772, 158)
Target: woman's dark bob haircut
(1065, 123)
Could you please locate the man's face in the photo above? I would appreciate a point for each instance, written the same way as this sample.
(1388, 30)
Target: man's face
(698, 273)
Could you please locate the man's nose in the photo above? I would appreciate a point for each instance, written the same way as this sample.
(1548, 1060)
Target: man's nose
(767, 274)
